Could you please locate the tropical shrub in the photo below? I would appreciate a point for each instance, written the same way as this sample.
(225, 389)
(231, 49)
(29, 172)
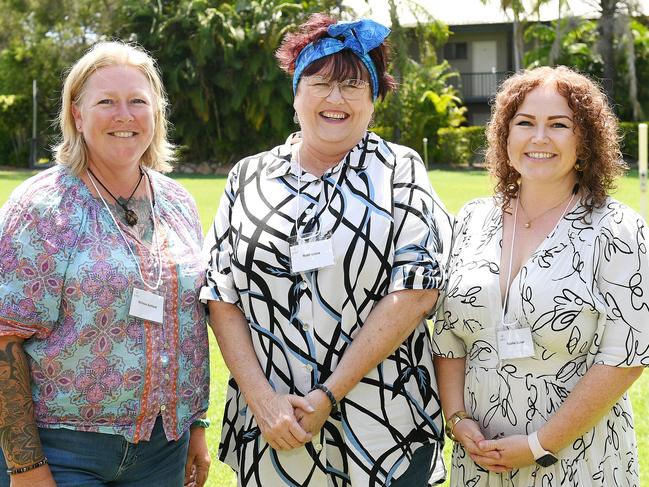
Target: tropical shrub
(576, 50)
(424, 100)
(461, 145)
(228, 96)
(15, 122)
(629, 135)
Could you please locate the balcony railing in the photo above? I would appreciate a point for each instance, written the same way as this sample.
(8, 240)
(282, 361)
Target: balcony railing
(478, 87)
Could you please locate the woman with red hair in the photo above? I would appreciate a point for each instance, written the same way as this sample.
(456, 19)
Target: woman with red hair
(544, 324)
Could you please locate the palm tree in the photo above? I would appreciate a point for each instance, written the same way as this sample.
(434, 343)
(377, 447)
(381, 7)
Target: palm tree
(606, 44)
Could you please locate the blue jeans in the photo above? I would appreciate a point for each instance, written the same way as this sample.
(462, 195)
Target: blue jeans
(79, 458)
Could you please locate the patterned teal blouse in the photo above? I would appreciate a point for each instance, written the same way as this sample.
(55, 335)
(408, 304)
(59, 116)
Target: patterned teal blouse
(66, 279)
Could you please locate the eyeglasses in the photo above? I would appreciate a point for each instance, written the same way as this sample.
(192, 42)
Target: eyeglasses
(350, 89)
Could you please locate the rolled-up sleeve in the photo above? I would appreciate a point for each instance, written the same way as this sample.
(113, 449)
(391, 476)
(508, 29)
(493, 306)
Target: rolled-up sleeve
(422, 229)
(217, 250)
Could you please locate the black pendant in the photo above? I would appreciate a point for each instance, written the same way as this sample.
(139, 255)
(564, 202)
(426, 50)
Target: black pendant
(130, 216)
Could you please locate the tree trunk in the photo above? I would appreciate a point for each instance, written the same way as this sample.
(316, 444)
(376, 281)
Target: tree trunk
(606, 29)
(555, 50)
(519, 43)
(629, 52)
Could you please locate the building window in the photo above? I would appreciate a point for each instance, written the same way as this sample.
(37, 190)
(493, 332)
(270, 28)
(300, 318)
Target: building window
(455, 50)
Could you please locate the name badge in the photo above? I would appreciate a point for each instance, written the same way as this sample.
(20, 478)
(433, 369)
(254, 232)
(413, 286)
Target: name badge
(147, 305)
(515, 343)
(308, 255)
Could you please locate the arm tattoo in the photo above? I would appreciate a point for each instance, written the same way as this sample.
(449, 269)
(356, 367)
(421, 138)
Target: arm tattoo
(18, 432)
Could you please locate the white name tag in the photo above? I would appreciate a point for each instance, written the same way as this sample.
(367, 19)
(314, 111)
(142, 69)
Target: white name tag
(147, 305)
(515, 343)
(314, 254)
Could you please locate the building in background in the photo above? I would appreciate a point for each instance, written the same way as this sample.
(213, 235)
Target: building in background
(481, 47)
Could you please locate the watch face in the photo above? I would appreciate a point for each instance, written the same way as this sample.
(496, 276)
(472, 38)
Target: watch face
(547, 460)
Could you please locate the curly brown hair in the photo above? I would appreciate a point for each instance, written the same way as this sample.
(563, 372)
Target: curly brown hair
(596, 127)
(341, 65)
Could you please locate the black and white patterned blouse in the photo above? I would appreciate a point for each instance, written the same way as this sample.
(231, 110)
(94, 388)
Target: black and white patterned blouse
(584, 293)
(388, 229)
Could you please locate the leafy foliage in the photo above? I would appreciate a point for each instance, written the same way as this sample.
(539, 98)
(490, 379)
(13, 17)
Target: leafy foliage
(462, 145)
(14, 134)
(229, 98)
(576, 50)
(424, 101)
(39, 40)
(629, 135)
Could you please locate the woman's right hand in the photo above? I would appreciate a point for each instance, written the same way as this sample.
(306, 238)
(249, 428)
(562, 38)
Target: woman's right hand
(39, 477)
(277, 422)
(468, 433)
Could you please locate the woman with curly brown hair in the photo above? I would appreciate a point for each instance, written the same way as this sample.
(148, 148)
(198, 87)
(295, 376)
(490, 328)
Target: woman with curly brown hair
(325, 261)
(544, 325)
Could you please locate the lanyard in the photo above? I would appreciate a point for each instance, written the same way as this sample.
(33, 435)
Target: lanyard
(155, 233)
(511, 251)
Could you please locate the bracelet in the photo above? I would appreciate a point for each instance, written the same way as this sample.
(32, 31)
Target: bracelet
(332, 399)
(453, 420)
(17, 470)
(201, 423)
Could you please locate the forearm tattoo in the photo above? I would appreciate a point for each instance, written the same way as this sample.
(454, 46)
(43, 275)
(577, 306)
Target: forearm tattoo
(18, 432)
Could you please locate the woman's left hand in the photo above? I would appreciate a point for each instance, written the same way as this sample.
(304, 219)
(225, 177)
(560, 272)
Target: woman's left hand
(514, 450)
(198, 459)
(314, 421)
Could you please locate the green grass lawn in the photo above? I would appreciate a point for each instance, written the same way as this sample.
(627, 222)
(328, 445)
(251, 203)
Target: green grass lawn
(455, 187)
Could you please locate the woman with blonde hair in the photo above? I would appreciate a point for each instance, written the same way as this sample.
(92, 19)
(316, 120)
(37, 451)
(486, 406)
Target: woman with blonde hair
(103, 342)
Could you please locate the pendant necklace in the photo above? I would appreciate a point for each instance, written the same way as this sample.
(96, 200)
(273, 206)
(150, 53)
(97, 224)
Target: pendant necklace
(129, 215)
(528, 222)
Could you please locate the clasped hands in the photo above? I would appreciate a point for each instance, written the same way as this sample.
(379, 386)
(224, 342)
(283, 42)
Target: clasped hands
(287, 421)
(499, 455)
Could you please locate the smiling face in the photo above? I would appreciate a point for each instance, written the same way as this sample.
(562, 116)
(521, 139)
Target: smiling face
(332, 124)
(115, 116)
(542, 143)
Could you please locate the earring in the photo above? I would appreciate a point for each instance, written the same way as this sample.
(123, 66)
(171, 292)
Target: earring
(371, 123)
(579, 166)
(296, 120)
(512, 188)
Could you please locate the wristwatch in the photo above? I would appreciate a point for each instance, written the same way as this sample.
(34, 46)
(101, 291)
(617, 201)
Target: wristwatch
(452, 421)
(542, 457)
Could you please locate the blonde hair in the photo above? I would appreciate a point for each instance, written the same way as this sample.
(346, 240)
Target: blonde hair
(72, 150)
(596, 128)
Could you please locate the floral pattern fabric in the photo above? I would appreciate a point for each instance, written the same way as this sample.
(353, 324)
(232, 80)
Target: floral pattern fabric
(66, 278)
(584, 294)
(387, 228)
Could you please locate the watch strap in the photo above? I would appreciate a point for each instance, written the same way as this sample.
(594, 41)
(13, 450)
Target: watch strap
(535, 445)
(542, 457)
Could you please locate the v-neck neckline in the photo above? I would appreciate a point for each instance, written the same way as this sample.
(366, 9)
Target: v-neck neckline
(540, 247)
